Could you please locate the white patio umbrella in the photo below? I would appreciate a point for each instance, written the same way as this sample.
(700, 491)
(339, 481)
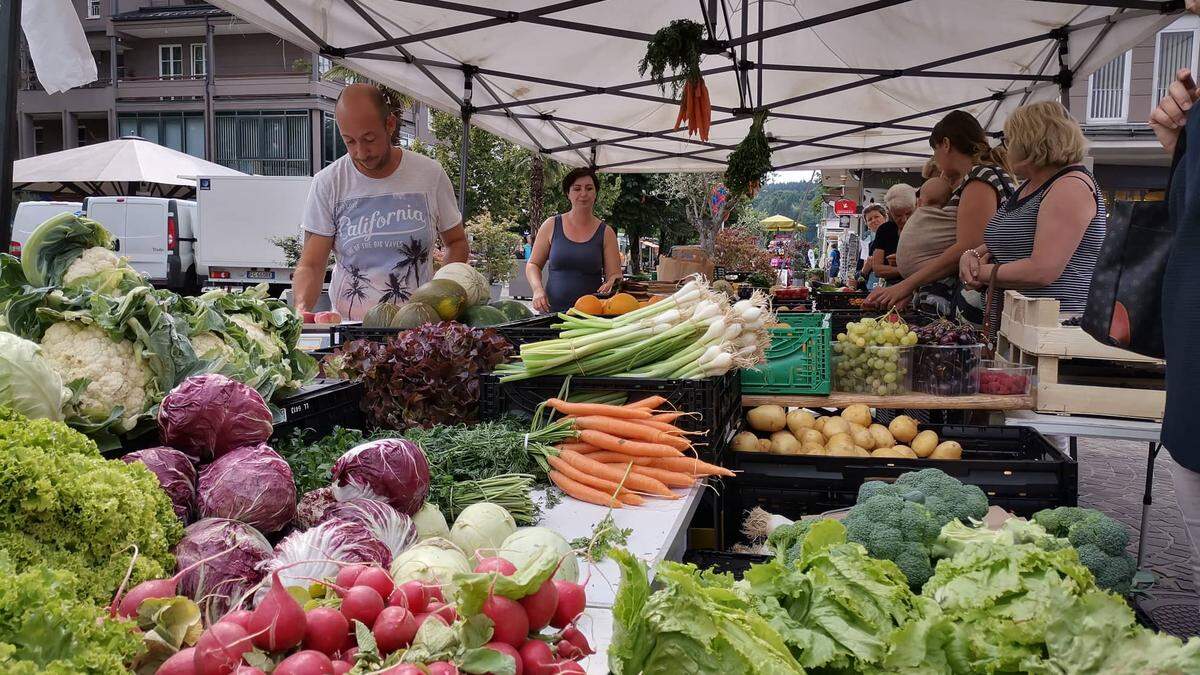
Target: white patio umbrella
(125, 166)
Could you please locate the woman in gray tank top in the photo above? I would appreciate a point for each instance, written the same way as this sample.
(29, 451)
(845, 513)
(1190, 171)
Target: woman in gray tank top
(577, 252)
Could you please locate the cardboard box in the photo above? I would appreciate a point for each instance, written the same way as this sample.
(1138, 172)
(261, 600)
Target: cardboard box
(684, 261)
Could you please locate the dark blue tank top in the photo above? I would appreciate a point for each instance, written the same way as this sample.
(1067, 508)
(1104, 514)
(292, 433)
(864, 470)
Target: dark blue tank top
(574, 269)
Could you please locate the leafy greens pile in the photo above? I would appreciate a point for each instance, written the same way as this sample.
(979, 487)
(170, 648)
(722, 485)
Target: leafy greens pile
(994, 607)
(422, 377)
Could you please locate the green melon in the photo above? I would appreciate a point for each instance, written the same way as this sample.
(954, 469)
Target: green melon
(513, 309)
(380, 316)
(446, 297)
(483, 316)
(413, 314)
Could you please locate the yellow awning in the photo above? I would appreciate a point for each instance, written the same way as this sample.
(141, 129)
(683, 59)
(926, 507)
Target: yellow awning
(778, 223)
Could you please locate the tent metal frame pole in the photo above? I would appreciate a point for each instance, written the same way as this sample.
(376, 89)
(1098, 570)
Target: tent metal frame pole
(743, 69)
(378, 28)
(583, 90)
(760, 51)
(520, 124)
(10, 37)
(1065, 76)
(815, 21)
(1162, 6)
(535, 16)
(465, 143)
(950, 74)
(743, 94)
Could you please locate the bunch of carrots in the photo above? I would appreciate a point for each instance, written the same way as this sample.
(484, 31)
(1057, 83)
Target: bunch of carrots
(624, 454)
(695, 108)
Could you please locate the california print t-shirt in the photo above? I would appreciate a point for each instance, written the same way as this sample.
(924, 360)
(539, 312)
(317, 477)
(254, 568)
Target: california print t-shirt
(384, 229)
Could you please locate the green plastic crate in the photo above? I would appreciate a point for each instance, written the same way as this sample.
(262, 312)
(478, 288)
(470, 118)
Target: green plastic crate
(797, 360)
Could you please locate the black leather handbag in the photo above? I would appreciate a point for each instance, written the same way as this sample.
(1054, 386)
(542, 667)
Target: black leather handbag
(1124, 307)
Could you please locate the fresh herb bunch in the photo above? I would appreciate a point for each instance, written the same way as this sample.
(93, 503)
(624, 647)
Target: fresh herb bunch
(605, 537)
(750, 162)
(677, 47)
(470, 452)
(312, 461)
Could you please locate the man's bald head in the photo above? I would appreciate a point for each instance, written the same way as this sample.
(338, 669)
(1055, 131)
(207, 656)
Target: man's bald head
(356, 97)
(367, 126)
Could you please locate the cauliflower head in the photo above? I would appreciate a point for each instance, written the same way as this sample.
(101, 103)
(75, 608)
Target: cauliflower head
(116, 374)
(210, 346)
(270, 347)
(103, 271)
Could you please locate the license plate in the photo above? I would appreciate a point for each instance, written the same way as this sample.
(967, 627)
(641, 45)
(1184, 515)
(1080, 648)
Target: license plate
(260, 274)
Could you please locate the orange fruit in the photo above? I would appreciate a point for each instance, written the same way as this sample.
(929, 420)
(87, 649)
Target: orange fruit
(590, 304)
(621, 303)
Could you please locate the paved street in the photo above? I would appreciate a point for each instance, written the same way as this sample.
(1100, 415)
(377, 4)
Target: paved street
(1112, 479)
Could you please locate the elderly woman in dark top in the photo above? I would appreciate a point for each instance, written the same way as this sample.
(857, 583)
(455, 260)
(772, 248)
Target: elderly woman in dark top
(578, 250)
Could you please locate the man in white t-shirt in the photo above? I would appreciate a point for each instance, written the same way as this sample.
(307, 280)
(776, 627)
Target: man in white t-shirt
(378, 209)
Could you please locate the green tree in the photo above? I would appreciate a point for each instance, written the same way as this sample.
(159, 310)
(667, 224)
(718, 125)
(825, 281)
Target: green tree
(692, 190)
(640, 211)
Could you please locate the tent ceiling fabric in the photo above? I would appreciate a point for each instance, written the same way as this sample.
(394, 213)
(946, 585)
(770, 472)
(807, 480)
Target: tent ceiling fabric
(550, 58)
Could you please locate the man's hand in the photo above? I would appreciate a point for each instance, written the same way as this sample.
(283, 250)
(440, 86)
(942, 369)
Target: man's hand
(1169, 118)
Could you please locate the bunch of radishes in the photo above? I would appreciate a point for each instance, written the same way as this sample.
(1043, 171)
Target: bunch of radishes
(323, 639)
(518, 624)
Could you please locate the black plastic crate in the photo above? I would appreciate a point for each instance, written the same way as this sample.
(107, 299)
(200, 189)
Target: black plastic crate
(1016, 466)
(534, 329)
(831, 300)
(724, 561)
(319, 407)
(716, 400)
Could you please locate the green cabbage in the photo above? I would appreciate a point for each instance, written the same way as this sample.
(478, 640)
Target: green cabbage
(28, 384)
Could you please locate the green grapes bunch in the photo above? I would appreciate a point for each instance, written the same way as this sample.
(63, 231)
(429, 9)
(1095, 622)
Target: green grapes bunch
(874, 356)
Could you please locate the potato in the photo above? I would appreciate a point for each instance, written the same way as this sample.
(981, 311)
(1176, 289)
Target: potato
(883, 437)
(860, 451)
(903, 428)
(819, 425)
(784, 443)
(839, 442)
(842, 451)
(947, 450)
(924, 443)
(798, 421)
(892, 453)
(862, 437)
(835, 426)
(859, 414)
(811, 449)
(770, 418)
(812, 437)
(905, 451)
(745, 441)
(764, 445)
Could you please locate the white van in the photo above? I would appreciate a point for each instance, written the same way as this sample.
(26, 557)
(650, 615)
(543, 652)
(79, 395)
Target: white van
(31, 214)
(157, 235)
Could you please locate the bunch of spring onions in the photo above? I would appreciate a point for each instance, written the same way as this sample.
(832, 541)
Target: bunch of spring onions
(694, 333)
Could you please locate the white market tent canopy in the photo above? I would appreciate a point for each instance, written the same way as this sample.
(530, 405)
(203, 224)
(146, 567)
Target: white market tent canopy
(847, 85)
(114, 168)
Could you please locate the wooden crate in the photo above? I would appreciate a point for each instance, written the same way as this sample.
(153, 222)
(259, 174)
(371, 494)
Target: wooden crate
(1075, 373)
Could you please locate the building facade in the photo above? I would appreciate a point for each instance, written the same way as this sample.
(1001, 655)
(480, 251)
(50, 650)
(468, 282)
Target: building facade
(194, 78)
(1114, 106)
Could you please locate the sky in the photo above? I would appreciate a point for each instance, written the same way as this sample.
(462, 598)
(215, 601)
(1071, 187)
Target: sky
(791, 176)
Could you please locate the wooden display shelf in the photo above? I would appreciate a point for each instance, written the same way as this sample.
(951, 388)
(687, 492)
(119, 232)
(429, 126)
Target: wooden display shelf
(840, 399)
(1075, 373)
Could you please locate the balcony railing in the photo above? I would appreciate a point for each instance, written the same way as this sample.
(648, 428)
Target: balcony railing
(30, 82)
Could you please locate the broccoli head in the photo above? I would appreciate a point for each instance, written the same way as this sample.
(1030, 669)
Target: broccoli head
(945, 496)
(892, 528)
(783, 538)
(1100, 541)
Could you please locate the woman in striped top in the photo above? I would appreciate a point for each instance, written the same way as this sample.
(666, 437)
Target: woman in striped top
(1045, 239)
(960, 149)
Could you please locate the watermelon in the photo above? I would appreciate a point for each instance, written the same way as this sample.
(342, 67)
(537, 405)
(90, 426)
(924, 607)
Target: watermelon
(380, 316)
(482, 316)
(446, 297)
(512, 309)
(413, 314)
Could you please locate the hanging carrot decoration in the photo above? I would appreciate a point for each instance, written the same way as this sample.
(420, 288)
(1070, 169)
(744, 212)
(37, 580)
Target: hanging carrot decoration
(677, 48)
